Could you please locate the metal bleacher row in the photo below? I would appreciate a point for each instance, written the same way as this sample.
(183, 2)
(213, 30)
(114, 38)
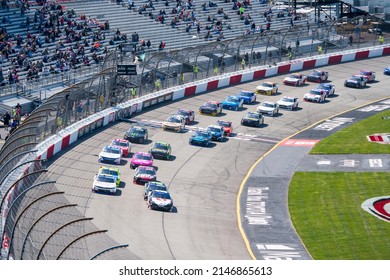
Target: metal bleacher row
(129, 20)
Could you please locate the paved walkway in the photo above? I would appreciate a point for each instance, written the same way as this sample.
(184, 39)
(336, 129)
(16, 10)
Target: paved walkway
(264, 200)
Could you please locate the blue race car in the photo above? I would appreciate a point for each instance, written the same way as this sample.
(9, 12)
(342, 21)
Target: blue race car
(386, 71)
(233, 103)
(200, 137)
(247, 96)
(216, 132)
(328, 88)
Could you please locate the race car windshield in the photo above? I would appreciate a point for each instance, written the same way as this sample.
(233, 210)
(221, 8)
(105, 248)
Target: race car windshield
(119, 143)
(160, 146)
(183, 113)
(148, 171)
(365, 72)
(286, 99)
(111, 150)
(214, 129)
(143, 156)
(315, 92)
(173, 119)
(105, 179)
(161, 195)
(269, 105)
(201, 133)
(357, 78)
(154, 187)
(253, 115)
(316, 73)
(246, 93)
(136, 130)
(222, 123)
(211, 105)
(295, 76)
(109, 172)
(232, 99)
(268, 85)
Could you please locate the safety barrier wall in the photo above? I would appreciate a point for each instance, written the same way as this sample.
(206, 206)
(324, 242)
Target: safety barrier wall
(56, 143)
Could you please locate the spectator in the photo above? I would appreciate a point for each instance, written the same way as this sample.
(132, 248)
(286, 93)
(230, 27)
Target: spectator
(6, 120)
(350, 39)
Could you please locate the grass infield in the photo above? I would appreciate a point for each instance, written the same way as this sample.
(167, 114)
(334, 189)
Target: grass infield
(353, 139)
(326, 212)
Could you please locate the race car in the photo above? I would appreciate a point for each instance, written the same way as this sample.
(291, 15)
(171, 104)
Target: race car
(104, 183)
(227, 127)
(315, 95)
(144, 174)
(253, 119)
(356, 81)
(211, 107)
(152, 186)
(267, 88)
(141, 158)
(318, 76)
(329, 88)
(268, 108)
(233, 103)
(161, 150)
(386, 71)
(295, 79)
(113, 171)
(247, 96)
(200, 137)
(136, 134)
(217, 133)
(122, 144)
(188, 115)
(111, 154)
(369, 75)
(160, 200)
(175, 123)
(288, 103)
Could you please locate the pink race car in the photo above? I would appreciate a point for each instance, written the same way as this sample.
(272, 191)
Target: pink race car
(123, 144)
(141, 158)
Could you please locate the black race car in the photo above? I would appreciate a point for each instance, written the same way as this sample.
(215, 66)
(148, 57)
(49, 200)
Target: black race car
(253, 119)
(136, 134)
(318, 76)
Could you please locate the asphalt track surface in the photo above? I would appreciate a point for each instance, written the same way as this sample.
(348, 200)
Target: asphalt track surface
(204, 182)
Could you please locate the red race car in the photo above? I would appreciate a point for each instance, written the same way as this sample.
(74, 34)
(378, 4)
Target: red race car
(123, 144)
(369, 75)
(227, 127)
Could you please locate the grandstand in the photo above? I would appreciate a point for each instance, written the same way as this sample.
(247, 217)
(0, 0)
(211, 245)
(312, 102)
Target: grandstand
(45, 43)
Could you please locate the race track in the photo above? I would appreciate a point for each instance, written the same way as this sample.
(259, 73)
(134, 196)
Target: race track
(204, 182)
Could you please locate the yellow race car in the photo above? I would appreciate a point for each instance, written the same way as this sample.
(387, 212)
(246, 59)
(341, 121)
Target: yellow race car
(267, 88)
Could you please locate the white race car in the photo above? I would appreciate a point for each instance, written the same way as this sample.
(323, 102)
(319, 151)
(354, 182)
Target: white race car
(175, 123)
(315, 95)
(160, 200)
(104, 183)
(268, 108)
(111, 154)
(288, 103)
(295, 79)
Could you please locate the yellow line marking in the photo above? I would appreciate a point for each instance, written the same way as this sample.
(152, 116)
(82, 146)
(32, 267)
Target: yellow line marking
(238, 205)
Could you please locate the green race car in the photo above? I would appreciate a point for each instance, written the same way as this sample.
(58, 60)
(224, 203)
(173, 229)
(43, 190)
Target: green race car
(113, 171)
(161, 150)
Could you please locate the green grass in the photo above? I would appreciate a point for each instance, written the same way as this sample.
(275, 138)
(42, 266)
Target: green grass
(326, 211)
(353, 139)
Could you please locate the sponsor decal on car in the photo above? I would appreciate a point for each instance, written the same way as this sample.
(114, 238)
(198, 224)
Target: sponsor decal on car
(378, 207)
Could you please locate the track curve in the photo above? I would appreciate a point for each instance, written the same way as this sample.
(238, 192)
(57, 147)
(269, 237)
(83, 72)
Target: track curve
(204, 182)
